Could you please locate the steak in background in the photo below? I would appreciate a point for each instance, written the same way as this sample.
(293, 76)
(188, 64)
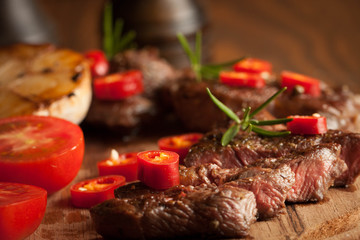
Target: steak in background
(135, 111)
(194, 108)
(340, 106)
(177, 212)
(270, 186)
(247, 149)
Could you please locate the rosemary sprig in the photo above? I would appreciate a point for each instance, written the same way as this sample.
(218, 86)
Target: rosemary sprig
(114, 41)
(209, 72)
(247, 123)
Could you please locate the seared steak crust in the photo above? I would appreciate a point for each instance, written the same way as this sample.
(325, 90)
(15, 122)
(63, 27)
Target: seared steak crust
(180, 211)
(247, 149)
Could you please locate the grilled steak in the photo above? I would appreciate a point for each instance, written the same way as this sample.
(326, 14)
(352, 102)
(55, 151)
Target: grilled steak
(340, 106)
(197, 112)
(270, 186)
(177, 212)
(247, 149)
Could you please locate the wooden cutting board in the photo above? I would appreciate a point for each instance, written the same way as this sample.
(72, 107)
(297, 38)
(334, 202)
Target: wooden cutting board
(337, 217)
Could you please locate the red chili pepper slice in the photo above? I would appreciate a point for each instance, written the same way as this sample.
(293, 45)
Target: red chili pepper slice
(179, 143)
(304, 125)
(242, 79)
(125, 164)
(99, 65)
(88, 193)
(159, 169)
(290, 80)
(119, 85)
(253, 65)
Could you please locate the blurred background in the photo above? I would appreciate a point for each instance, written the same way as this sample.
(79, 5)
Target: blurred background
(318, 38)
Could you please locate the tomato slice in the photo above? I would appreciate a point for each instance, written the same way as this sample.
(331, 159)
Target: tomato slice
(253, 65)
(290, 80)
(242, 79)
(119, 85)
(124, 164)
(99, 65)
(315, 124)
(22, 208)
(41, 151)
(179, 143)
(90, 192)
(158, 169)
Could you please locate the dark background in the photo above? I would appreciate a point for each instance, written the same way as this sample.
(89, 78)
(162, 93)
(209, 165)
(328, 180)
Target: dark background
(319, 38)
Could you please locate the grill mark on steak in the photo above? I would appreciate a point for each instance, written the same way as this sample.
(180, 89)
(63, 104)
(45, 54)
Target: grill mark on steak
(180, 211)
(246, 149)
(270, 186)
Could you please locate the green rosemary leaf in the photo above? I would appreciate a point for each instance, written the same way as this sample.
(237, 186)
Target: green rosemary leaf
(225, 64)
(198, 41)
(269, 133)
(230, 134)
(185, 45)
(108, 30)
(224, 108)
(246, 119)
(270, 122)
(126, 41)
(262, 106)
(116, 36)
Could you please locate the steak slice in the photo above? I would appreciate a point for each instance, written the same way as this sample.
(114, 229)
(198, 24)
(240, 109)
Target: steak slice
(315, 171)
(270, 186)
(247, 149)
(180, 211)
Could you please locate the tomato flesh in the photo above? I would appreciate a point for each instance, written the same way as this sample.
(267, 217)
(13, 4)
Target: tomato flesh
(179, 144)
(242, 79)
(159, 169)
(119, 86)
(88, 193)
(126, 165)
(307, 125)
(41, 151)
(99, 65)
(22, 208)
(290, 80)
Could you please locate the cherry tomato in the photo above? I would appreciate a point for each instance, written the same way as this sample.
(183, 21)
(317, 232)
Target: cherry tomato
(124, 164)
(119, 85)
(159, 169)
(22, 208)
(315, 124)
(242, 79)
(88, 193)
(179, 144)
(290, 80)
(253, 65)
(41, 151)
(99, 65)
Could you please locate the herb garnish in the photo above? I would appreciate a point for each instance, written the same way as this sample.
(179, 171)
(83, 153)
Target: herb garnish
(247, 123)
(209, 72)
(113, 41)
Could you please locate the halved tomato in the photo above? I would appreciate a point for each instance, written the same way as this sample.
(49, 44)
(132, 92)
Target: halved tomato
(90, 192)
(99, 64)
(41, 151)
(22, 208)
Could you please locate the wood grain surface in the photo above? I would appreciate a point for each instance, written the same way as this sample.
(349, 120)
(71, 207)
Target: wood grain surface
(319, 38)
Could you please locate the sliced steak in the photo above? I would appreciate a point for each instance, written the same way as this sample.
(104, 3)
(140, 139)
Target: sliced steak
(246, 149)
(315, 171)
(270, 186)
(180, 211)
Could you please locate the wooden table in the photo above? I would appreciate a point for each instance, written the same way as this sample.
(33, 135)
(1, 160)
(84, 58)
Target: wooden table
(318, 38)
